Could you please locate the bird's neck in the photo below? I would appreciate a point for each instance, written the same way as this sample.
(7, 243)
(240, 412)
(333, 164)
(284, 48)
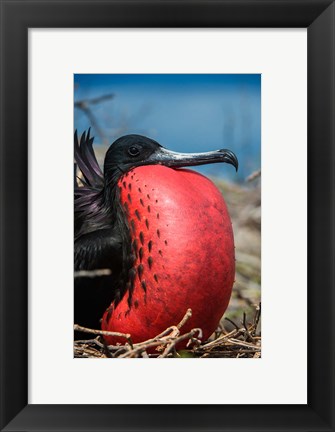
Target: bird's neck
(118, 219)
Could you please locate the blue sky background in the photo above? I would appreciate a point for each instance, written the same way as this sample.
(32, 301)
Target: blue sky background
(187, 113)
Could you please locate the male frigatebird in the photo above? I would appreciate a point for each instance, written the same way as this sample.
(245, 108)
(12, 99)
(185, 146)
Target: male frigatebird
(163, 234)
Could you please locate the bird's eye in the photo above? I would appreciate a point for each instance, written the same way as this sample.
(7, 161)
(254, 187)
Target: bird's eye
(134, 151)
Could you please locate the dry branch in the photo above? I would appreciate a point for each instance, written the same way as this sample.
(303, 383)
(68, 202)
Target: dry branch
(92, 273)
(253, 176)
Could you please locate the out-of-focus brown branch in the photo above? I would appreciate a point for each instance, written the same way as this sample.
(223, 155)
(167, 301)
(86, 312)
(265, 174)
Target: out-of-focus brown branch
(253, 176)
(92, 273)
(85, 106)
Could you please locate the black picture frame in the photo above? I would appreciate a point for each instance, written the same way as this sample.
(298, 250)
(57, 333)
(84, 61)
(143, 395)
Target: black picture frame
(318, 16)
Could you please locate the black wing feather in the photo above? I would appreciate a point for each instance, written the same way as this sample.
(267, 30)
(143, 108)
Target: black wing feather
(88, 212)
(90, 159)
(86, 160)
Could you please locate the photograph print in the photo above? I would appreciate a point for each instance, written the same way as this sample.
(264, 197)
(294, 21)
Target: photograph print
(167, 216)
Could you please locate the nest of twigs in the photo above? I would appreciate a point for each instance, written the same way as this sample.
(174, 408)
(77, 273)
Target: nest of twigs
(244, 341)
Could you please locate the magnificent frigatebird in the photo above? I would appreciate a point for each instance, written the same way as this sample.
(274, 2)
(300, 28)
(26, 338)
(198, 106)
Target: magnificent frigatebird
(163, 234)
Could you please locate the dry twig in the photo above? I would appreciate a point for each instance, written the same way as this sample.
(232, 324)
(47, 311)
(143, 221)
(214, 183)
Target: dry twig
(92, 273)
(253, 176)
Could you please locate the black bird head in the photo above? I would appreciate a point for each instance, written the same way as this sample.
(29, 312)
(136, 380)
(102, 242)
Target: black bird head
(93, 209)
(131, 151)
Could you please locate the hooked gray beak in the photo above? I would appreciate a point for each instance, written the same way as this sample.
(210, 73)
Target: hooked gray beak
(177, 160)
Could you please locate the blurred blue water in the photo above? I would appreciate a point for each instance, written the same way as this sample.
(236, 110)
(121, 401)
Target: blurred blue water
(187, 113)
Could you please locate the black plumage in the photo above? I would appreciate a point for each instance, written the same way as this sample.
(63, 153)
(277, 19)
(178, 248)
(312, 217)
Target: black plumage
(101, 237)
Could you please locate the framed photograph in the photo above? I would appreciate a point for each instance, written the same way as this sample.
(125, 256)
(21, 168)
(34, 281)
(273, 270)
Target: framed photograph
(255, 80)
